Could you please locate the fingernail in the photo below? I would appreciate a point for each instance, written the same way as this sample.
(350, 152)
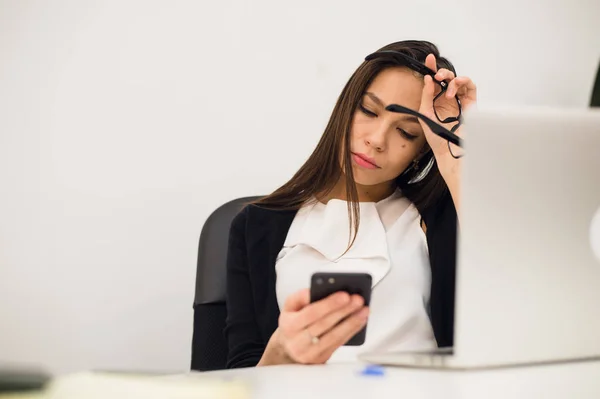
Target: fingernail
(343, 298)
(357, 301)
(364, 314)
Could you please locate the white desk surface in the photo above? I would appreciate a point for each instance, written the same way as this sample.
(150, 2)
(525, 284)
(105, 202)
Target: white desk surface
(564, 381)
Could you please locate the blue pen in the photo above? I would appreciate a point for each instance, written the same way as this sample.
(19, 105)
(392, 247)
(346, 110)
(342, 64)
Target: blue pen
(373, 369)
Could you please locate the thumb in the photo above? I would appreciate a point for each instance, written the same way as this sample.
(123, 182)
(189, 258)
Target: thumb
(430, 62)
(297, 301)
(428, 94)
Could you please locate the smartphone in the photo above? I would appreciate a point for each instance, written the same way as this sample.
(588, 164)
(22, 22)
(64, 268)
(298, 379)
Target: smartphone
(324, 284)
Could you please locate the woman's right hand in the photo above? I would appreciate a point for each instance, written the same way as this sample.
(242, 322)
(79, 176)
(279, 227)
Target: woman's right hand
(309, 333)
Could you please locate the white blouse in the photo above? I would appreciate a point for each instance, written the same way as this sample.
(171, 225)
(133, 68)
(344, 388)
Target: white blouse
(390, 245)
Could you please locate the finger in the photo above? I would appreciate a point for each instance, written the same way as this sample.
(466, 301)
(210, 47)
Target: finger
(471, 88)
(342, 333)
(297, 301)
(428, 93)
(431, 63)
(323, 325)
(464, 85)
(302, 350)
(315, 311)
(453, 87)
(444, 74)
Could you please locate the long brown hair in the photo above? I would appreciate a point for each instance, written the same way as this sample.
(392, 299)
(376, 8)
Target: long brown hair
(421, 183)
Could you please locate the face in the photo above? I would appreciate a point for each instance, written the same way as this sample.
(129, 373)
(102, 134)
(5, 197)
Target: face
(383, 144)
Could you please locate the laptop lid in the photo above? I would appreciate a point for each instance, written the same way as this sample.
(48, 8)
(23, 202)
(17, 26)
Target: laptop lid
(528, 279)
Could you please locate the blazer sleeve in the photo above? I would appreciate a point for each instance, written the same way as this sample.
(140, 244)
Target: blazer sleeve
(244, 340)
(442, 223)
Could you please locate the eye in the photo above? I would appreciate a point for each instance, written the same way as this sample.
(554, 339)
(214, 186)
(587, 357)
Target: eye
(366, 111)
(407, 135)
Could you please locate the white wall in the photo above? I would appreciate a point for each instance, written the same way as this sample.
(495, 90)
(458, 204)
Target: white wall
(123, 124)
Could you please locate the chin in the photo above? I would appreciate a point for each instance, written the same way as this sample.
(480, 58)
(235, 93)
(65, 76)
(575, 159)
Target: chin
(360, 178)
(368, 183)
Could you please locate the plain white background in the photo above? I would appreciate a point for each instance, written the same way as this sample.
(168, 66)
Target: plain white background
(124, 124)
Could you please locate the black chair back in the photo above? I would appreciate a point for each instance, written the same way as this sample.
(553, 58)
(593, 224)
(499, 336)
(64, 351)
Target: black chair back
(595, 100)
(209, 349)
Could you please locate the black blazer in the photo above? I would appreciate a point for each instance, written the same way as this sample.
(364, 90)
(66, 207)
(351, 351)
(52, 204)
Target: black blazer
(256, 237)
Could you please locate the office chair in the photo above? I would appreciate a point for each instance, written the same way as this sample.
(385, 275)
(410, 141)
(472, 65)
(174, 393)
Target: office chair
(209, 349)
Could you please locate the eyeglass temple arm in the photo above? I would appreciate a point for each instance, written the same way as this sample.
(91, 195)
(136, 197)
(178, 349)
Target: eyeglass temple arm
(435, 127)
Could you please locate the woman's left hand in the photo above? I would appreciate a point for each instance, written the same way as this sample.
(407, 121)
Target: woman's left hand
(461, 87)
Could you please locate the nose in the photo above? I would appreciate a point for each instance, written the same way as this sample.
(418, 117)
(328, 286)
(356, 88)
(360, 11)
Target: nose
(377, 138)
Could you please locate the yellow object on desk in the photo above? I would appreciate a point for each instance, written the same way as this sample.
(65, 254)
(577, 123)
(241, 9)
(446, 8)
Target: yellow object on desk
(116, 386)
(23, 395)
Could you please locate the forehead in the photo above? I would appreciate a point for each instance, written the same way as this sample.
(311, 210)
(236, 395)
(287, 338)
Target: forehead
(398, 86)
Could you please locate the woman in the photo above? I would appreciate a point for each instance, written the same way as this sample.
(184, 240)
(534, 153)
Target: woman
(379, 195)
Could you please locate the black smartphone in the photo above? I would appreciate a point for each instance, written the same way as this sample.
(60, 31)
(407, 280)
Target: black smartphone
(324, 284)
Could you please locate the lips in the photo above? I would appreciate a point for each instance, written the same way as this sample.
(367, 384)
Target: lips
(364, 161)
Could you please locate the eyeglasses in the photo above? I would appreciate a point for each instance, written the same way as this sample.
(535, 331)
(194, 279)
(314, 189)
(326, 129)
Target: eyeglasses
(435, 127)
(442, 113)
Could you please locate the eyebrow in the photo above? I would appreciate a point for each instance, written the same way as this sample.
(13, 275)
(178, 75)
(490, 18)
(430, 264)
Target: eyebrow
(377, 100)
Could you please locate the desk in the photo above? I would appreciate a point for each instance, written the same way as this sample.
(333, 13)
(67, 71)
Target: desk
(564, 381)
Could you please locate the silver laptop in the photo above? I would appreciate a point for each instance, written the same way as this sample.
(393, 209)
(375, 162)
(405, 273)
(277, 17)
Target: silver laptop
(528, 271)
